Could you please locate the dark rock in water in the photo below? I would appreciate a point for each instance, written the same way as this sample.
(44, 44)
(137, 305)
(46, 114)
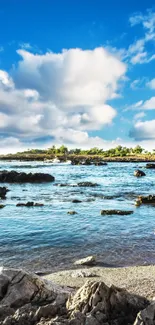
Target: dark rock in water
(29, 204)
(72, 212)
(76, 201)
(117, 212)
(2, 206)
(100, 163)
(87, 184)
(15, 177)
(148, 199)
(3, 191)
(150, 166)
(139, 173)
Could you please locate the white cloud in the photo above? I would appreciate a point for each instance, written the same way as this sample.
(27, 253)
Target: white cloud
(143, 130)
(137, 51)
(139, 116)
(151, 84)
(60, 95)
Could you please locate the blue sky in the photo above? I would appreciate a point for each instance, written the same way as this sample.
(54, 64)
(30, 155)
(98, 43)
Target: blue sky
(77, 72)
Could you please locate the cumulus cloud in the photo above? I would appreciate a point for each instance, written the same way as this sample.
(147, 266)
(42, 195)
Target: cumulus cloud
(62, 95)
(151, 84)
(143, 130)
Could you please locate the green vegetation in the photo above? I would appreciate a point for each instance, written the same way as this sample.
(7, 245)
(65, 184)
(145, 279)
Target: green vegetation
(119, 151)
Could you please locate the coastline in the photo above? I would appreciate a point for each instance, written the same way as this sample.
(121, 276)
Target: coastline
(136, 279)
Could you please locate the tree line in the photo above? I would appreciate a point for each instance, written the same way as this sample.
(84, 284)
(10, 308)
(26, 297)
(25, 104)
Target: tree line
(118, 151)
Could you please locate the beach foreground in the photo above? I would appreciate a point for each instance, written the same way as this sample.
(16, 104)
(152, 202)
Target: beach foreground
(137, 279)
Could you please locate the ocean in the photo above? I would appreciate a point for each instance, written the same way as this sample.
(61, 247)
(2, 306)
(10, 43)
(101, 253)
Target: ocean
(46, 238)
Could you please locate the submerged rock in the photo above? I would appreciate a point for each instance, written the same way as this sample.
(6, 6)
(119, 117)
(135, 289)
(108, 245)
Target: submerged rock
(3, 191)
(89, 260)
(76, 201)
(72, 212)
(139, 173)
(29, 204)
(150, 166)
(87, 184)
(148, 199)
(2, 206)
(100, 163)
(117, 212)
(15, 177)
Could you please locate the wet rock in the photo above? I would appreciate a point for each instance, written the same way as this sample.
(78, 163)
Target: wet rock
(150, 166)
(29, 204)
(146, 316)
(15, 177)
(72, 212)
(148, 199)
(2, 206)
(139, 173)
(100, 163)
(87, 184)
(76, 201)
(105, 305)
(3, 192)
(117, 212)
(89, 260)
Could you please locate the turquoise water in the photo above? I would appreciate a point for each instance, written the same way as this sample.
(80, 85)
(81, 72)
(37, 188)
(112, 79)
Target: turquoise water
(47, 238)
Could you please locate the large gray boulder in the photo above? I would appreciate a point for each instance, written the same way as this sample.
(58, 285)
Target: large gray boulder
(146, 316)
(26, 297)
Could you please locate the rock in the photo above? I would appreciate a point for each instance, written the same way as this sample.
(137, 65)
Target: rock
(90, 260)
(150, 166)
(139, 173)
(29, 204)
(149, 199)
(100, 163)
(76, 201)
(117, 212)
(87, 184)
(146, 316)
(2, 206)
(3, 191)
(72, 212)
(105, 305)
(82, 274)
(15, 177)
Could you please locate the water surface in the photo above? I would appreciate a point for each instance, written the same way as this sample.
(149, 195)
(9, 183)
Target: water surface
(47, 238)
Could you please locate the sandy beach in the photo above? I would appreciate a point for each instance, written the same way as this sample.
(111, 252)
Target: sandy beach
(138, 279)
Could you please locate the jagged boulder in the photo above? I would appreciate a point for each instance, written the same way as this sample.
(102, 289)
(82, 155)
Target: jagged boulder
(95, 303)
(15, 177)
(25, 297)
(139, 173)
(146, 316)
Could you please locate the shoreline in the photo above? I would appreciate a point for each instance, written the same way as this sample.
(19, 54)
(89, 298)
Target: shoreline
(136, 279)
(79, 158)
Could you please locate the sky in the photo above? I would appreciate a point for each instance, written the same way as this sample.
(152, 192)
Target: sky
(77, 72)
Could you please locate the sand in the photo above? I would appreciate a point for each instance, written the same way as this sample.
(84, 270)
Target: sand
(137, 279)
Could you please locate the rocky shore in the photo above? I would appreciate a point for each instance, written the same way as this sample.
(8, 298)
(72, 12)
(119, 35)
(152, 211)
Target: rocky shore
(27, 299)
